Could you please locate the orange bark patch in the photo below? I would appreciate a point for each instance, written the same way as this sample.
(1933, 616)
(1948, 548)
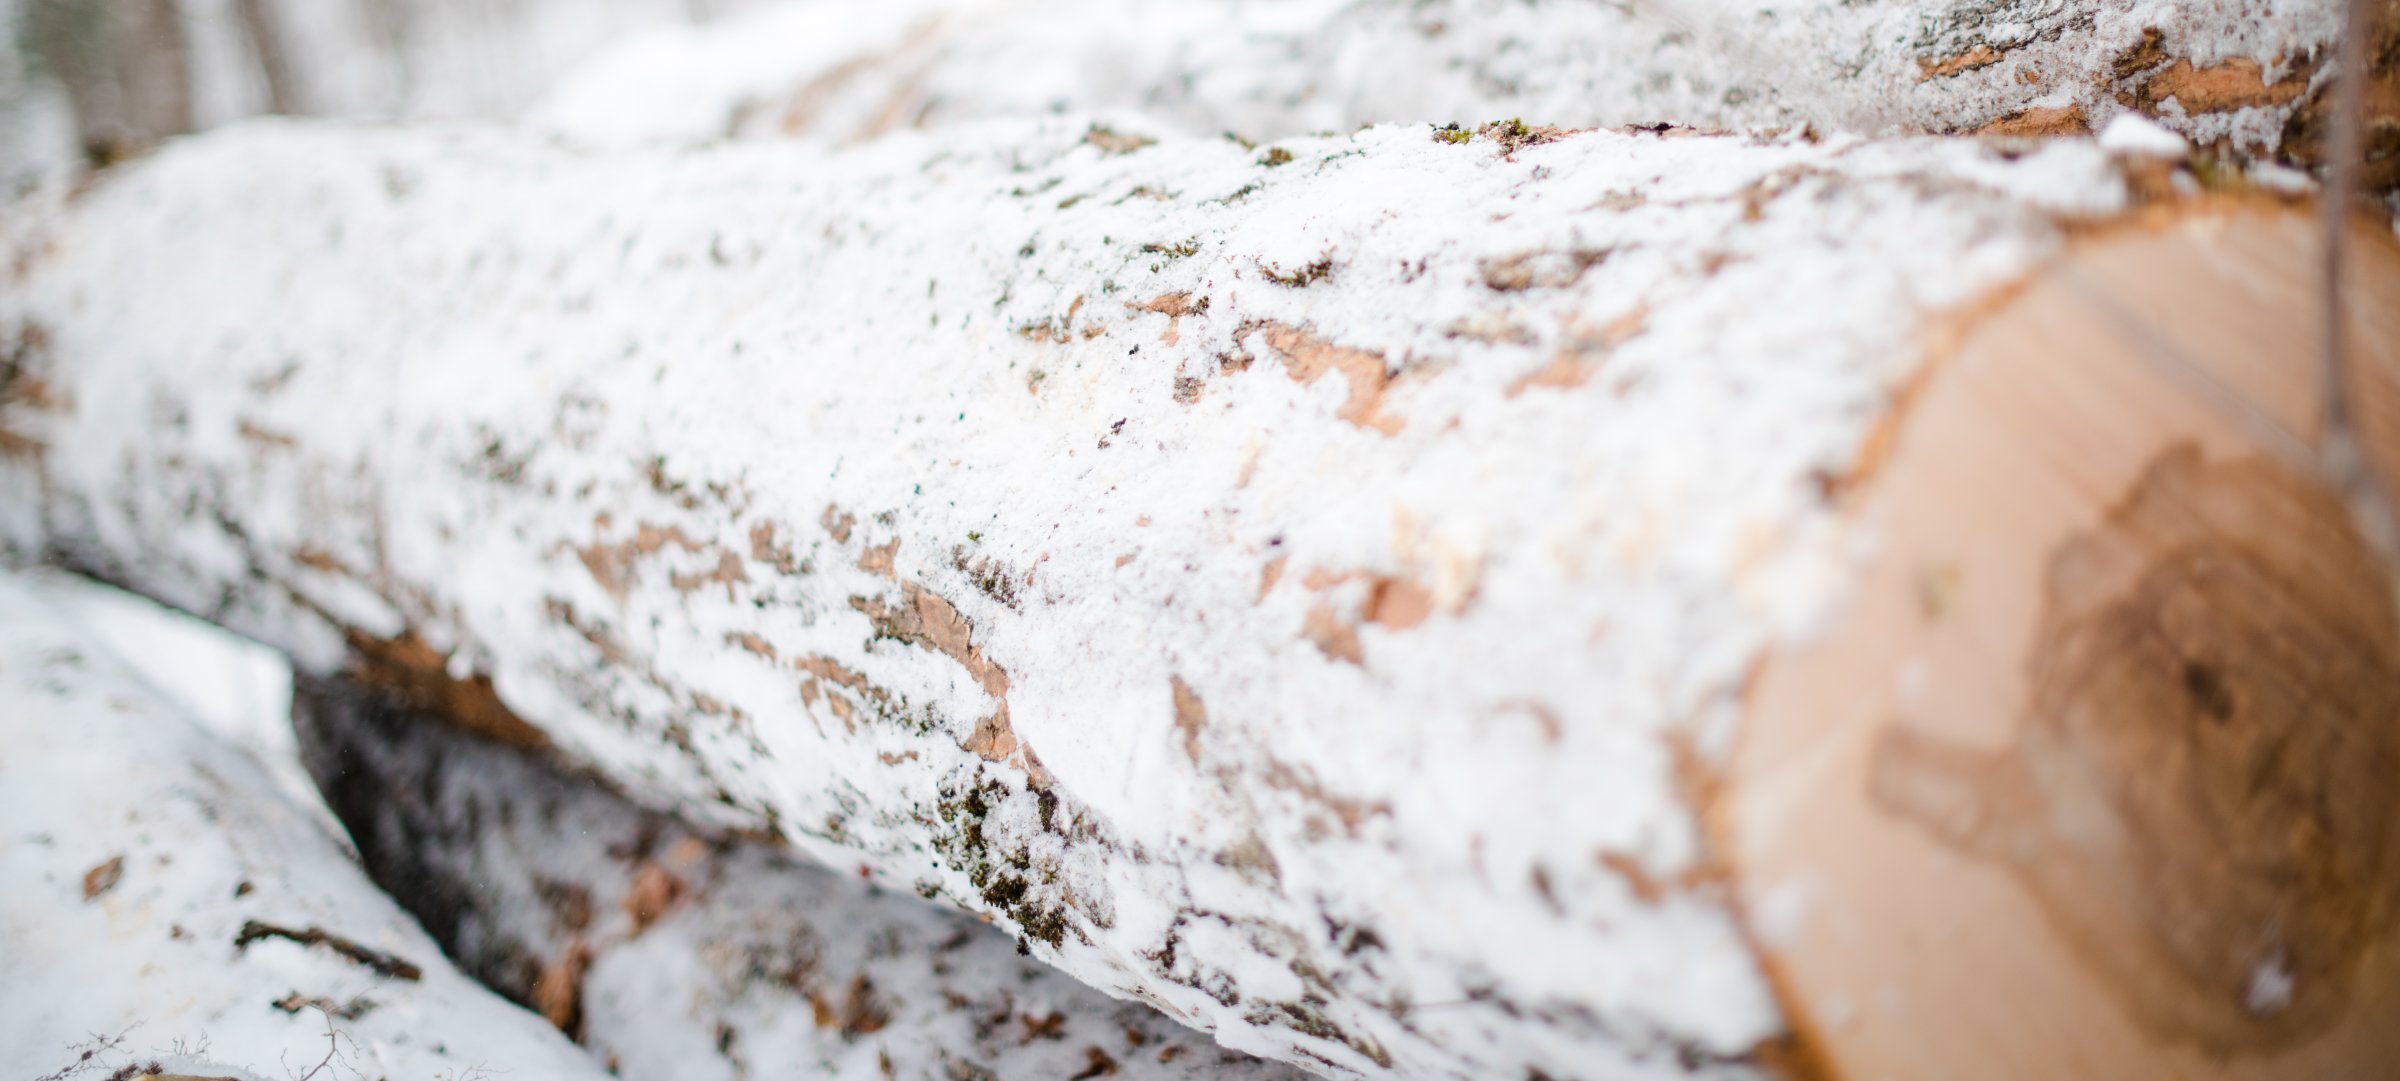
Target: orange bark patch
(765, 548)
(1980, 56)
(833, 671)
(2036, 122)
(1395, 603)
(1270, 574)
(994, 739)
(928, 621)
(1565, 371)
(419, 677)
(728, 572)
(1308, 358)
(2221, 87)
(655, 892)
(837, 523)
(851, 680)
(1646, 887)
(1174, 306)
(558, 988)
(2149, 52)
(1332, 636)
(878, 561)
(1399, 604)
(751, 643)
(611, 565)
(264, 437)
(1580, 356)
(1320, 579)
(862, 1012)
(1191, 717)
(1352, 813)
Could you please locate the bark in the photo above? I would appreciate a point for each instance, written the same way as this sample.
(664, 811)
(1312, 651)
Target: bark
(126, 68)
(1316, 593)
(167, 901)
(152, 59)
(2248, 75)
(676, 953)
(2234, 73)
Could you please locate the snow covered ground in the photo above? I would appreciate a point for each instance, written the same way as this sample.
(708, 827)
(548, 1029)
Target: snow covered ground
(164, 899)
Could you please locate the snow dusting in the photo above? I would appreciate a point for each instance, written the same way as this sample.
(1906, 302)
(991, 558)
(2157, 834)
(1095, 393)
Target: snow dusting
(1283, 583)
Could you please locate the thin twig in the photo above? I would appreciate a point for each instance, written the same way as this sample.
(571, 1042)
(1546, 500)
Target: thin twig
(383, 964)
(89, 1050)
(333, 1052)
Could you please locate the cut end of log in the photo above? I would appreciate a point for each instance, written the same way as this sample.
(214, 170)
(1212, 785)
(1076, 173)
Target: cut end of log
(2093, 776)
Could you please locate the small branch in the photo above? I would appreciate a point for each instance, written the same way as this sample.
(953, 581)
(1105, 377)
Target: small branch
(331, 1064)
(383, 963)
(87, 1052)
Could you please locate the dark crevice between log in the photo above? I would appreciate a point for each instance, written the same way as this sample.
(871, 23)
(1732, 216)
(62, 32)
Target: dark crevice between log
(382, 767)
(528, 872)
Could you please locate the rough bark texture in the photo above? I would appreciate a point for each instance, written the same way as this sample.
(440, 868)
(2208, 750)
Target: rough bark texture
(683, 954)
(169, 910)
(1297, 590)
(2234, 72)
(2250, 74)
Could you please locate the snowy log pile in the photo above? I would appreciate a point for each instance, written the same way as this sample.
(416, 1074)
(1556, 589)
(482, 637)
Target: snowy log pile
(1435, 601)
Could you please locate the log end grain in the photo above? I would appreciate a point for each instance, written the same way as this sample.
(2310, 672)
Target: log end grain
(2092, 778)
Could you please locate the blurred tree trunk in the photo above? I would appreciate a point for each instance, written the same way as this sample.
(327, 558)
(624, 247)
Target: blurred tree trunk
(266, 40)
(126, 67)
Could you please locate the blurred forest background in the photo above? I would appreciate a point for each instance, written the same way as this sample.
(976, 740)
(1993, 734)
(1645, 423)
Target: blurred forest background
(97, 79)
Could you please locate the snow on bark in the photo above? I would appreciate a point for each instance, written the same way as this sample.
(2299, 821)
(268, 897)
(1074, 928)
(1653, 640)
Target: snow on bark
(676, 953)
(2235, 71)
(1295, 590)
(167, 907)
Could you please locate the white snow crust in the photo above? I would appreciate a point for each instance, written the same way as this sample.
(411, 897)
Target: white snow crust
(138, 846)
(635, 432)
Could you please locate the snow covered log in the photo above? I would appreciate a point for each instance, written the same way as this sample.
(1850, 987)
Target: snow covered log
(2244, 72)
(1544, 605)
(681, 954)
(168, 909)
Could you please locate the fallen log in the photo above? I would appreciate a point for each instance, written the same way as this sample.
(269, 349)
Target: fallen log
(169, 911)
(1547, 604)
(678, 953)
(2243, 74)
